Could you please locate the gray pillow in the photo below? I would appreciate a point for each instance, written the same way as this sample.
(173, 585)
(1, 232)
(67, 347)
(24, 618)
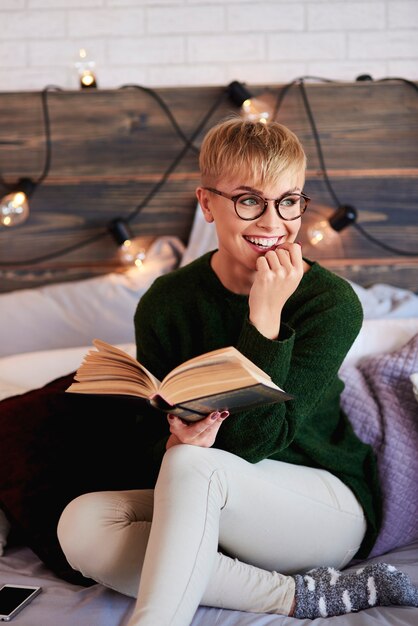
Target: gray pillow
(380, 403)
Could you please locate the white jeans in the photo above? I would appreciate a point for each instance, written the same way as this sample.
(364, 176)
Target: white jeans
(221, 531)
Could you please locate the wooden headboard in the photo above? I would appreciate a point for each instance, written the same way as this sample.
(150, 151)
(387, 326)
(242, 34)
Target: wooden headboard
(112, 151)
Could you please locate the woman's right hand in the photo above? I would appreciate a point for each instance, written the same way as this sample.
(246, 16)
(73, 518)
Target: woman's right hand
(202, 433)
(278, 275)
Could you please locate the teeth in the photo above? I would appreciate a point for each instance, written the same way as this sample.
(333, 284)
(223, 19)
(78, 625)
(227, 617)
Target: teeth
(262, 241)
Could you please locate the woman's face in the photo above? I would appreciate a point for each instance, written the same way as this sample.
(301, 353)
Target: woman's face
(241, 242)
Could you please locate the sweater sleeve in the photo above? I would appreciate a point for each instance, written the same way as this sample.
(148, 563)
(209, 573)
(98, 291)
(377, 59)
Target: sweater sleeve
(304, 361)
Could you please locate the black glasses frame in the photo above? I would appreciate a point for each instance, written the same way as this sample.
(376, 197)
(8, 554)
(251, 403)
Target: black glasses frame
(276, 201)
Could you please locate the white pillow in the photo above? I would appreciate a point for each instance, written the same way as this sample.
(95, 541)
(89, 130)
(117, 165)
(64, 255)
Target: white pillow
(73, 313)
(22, 372)
(381, 335)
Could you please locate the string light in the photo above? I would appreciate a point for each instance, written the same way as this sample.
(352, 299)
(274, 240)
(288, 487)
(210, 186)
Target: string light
(85, 68)
(253, 109)
(321, 233)
(229, 91)
(131, 251)
(14, 206)
(325, 233)
(188, 144)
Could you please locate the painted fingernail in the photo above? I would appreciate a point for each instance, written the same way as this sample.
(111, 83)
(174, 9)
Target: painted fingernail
(224, 414)
(214, 416)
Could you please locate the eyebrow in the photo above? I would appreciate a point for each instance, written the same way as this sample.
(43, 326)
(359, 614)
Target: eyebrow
(260, 193)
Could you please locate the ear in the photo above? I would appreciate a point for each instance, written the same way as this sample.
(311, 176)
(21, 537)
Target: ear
(203, 198)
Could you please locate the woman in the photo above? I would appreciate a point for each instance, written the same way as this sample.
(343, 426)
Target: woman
(244, 505)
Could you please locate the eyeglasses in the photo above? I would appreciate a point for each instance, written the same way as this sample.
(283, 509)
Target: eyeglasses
(250, 206)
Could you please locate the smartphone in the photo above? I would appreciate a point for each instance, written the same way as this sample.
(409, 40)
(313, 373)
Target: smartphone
(13, 598)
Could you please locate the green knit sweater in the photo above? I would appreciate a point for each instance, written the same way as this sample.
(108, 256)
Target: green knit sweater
(189, 312)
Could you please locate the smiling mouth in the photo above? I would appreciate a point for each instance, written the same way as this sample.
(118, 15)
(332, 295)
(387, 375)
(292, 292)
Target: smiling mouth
(264, 243)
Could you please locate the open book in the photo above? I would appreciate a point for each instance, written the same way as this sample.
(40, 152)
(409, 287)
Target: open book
(218, 380)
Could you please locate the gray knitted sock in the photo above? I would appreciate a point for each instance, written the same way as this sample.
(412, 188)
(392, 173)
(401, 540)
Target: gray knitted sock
(325, 591)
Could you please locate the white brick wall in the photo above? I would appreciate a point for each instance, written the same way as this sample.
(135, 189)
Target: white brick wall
(205, 42)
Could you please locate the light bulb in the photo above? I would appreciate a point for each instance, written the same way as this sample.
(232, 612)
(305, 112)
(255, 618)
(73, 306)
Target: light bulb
(322, 235)
(131, 252)
(253, 109)
(14, 209)
(256, 110)
(325, 233)
(85, 67)
(14, 206)
(87, 79)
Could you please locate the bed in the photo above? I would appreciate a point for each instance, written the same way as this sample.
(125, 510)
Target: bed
(50, 312)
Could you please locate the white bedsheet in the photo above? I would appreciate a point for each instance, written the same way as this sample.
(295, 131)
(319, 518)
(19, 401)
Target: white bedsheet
(63, 604)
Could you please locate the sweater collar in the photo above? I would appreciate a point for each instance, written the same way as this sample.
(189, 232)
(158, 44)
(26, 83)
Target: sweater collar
(215, 284)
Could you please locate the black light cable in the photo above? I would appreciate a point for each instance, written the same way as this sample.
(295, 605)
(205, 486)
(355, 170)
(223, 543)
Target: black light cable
(14, 205)
(339, 205)
(178, 158)
(317, 142)
(134, 213)
(345, 214)
(165, 108)
(281, 96)
(57, 253)
(47, 127)
(283, 91)
(47, 134)
(396, 78)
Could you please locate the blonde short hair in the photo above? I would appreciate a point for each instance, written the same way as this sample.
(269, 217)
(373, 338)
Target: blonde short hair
(260, 152)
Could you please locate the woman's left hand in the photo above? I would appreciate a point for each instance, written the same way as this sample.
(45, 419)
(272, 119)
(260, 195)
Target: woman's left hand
(202, 433)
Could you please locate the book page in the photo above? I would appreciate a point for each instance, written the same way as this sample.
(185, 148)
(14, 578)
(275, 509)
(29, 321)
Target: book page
(111, 387)
(220, 357)
(211, 377)
(108, 369)
(118, 356)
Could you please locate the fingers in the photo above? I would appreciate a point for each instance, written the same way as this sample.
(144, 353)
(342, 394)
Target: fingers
(201, 433)
(288, 254)
(178, 425)
(287, 257)
(294, 250)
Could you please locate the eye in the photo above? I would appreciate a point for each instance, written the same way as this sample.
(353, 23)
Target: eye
(290, 201)
(250, 201)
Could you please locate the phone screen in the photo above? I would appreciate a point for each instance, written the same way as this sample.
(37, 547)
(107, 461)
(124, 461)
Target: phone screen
(13, 598)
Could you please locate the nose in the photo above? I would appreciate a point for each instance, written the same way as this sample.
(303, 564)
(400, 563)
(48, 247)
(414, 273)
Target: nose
(270, 218)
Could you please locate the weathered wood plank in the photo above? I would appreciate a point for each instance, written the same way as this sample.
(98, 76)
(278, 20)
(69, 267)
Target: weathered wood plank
(402, 273)
(110, 150)
(125, 131)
